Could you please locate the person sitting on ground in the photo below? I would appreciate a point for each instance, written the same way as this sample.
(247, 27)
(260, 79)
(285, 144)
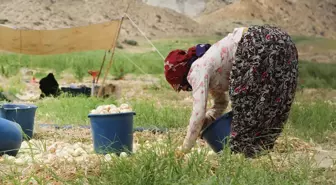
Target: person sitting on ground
(49, 86)
(257, 66)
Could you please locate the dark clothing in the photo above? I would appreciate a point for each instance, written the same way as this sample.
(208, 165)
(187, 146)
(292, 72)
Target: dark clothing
(49, 86)
(262, 88)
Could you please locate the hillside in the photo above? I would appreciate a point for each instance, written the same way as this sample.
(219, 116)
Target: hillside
(299, 17)
(43, 14)
(158, 18)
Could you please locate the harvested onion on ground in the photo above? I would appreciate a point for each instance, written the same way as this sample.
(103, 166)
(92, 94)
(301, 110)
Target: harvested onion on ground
(112, 109)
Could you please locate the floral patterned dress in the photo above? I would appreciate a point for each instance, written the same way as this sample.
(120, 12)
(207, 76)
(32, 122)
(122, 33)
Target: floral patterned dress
(258, 66)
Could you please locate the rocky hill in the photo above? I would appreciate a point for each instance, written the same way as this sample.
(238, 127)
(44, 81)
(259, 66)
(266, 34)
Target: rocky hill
(51, 14)
(300, 17)
(162, 18)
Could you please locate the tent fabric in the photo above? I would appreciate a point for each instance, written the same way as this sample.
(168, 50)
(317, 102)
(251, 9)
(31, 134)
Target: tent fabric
(66, 40)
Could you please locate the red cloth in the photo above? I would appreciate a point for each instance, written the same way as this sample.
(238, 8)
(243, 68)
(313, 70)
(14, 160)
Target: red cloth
(176, 66)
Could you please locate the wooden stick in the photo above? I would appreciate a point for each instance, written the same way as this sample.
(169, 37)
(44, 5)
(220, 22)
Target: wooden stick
(20, 47)
(110, 64)
(101, 67)
(113, 49)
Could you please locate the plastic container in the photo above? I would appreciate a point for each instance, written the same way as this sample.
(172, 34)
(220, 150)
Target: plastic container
(216, 134)
(10, 137)
(75, 91)
(112, 133)
(23, 114)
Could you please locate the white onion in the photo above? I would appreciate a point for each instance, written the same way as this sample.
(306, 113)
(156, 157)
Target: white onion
(136, 147)
(70, 159)
(24, 144)
(19, 161)
(126, 110)
(32, 181)
(114, 110)
(94, 111)
(79, 159)
(108, 157)
(111, 109)
(52, 149)
(124, 106)
(8, 157)
(123, 154)
(211, 155)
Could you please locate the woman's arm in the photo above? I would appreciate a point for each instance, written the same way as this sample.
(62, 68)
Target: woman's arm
(227, 47)
(220, 103)
(199, 76)
(199, 80)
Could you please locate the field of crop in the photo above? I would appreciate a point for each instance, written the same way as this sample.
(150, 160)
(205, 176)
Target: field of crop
(300, 156)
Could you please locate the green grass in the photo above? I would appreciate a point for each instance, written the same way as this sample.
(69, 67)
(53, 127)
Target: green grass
(40, 75)
(310, 120)
(307, 121)
(68, 110)
(150, 168)
(79, 63)
(317, 75)
(313, 120)
(148, 114)
(320, 44)
(312, 75)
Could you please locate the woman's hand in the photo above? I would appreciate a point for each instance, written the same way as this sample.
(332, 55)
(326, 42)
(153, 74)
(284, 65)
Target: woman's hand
(180, 152)
(207, 121)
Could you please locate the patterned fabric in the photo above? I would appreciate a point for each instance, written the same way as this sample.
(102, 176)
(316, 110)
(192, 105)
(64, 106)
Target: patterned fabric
(262, 88)
(176, 66)
(201, 49)
(209, 74)
(178, 62)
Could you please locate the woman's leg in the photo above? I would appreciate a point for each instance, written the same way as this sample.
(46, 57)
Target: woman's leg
(262, 88)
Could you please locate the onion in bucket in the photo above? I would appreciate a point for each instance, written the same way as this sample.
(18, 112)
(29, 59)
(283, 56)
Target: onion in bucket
(112, 109)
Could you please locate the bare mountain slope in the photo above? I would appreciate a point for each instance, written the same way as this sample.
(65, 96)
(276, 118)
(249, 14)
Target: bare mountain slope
(313, 17)
(170, 18)
(45, 14)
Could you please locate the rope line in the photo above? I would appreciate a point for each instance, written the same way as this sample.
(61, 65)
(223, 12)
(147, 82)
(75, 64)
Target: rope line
(130, 60)
(144, 36)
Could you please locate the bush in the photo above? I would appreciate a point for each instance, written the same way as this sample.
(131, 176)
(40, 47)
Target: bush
(131, 42)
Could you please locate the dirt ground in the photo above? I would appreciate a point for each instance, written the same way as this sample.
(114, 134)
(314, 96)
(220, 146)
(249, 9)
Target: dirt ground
(323, 156)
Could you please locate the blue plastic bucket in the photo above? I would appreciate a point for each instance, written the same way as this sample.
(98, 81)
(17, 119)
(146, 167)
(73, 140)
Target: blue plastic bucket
(112, 133)
(23, 114)
(10, 137)
(216, 134)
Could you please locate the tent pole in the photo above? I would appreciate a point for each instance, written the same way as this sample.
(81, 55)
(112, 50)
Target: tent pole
(113, 50)
(101, 67)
